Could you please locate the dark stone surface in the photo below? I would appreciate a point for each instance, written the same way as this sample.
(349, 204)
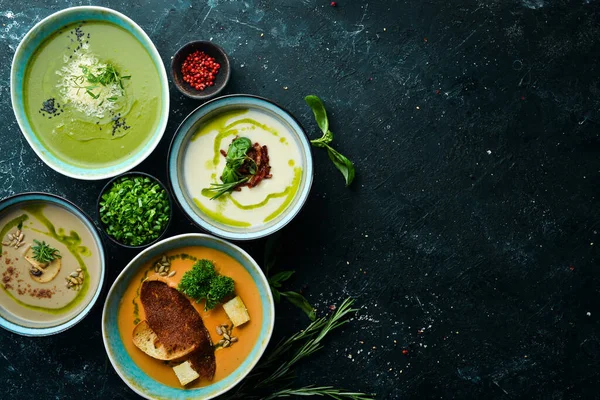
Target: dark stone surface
(469, 237)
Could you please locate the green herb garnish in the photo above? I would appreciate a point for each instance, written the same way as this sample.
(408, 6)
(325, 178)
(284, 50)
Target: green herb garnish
(272, 248)
(202, 282)
(235, 160)
(343, 164)
(274, 373)
(103, 76)
(135, 210)
(43, 253)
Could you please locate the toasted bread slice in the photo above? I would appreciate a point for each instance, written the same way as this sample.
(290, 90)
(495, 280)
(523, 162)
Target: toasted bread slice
(146, 340)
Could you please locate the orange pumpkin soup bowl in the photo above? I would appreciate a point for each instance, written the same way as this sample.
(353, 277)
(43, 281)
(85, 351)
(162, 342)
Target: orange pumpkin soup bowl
(144, 298)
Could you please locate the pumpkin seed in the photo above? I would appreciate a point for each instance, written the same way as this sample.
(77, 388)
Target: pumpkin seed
(161, 269)
(227, 343)
(80, 280)
(219, 331)
(78, 270)
(11, 236)
(156, 267)
(5, 243)
(21, 236)
(74, 274)
(163, 273)
(81, 275)
(234, 339)
(226, 336)
(74, 281)
(221, 342)
(171, 273)
(70, 284)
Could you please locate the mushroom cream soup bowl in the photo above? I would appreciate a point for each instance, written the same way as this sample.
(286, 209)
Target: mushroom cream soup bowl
(197, 161)
(40, 298)
(89, 92)
(152, 378)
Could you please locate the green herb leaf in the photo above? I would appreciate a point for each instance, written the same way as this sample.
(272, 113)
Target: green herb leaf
(300, 301)
(318, 109)
(279, 277)
(112, 98)
(222, 188)
(344, 165)
(276, 295)
(88, 91)
(43, 253)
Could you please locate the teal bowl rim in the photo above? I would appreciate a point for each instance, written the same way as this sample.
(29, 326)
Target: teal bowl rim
(34, 38)
(49, 197)
(126, 368)
(182, 132)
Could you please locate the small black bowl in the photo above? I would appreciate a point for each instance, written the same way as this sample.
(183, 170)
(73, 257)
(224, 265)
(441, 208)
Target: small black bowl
(220, 80)
(109, 185)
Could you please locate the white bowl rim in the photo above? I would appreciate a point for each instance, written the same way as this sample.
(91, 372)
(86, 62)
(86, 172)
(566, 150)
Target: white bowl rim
(164, 116)
(262, 276)
(204, 224)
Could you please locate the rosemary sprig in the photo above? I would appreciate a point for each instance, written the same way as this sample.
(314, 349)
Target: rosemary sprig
(222, 188)
(43, 253)
(264, 384)
(322, 391)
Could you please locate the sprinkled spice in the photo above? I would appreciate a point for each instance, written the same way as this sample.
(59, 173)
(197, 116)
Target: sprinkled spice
(119, 124)
(200, 70)
(50, 107)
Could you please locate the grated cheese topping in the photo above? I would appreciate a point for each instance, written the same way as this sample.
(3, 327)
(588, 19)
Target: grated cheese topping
(73, 86)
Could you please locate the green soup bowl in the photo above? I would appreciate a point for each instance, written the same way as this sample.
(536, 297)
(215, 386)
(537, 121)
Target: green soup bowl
(74, 143)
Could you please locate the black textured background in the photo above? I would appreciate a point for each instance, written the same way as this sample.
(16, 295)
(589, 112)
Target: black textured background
(469, 237)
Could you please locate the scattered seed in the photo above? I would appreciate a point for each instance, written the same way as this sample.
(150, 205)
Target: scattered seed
(219, 331)
(161, 269)
(221, 342)
(163, 273)
(227, 343)
(74, 281)
(21, 237)
(234, 339)
(81, 275)
(78, 270)
(80, 280)
(74, 274)
(70, 284)
(226, 336)
(171, 273)
(156, 267)
(18, 232)
(164, 259)
(11, 236)
(5, 243)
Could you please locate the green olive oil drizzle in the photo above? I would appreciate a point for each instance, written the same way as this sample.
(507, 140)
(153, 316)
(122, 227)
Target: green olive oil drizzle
(72, 243)
(288, 192)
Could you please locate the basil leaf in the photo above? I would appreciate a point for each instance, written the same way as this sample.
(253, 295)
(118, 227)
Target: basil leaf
(276, 294)
(318, 110)
(324, 140)
(299, 301)
(238, 149)
(343, 164)
(279, 277)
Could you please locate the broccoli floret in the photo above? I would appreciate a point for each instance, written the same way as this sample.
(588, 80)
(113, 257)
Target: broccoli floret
(203, 283)
(220, 287)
